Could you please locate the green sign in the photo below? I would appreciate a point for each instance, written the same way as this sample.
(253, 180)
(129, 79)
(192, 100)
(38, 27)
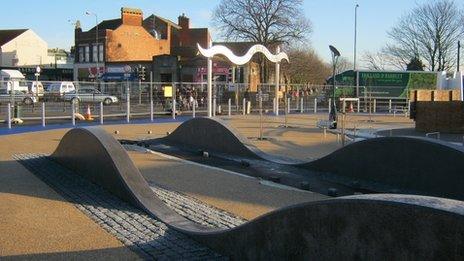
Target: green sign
(388, 84)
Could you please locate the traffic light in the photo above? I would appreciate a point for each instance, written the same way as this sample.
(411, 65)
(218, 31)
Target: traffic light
(141, 72)
(230, 76)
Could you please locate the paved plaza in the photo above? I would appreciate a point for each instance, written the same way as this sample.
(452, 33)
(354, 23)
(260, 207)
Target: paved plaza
(46, 208)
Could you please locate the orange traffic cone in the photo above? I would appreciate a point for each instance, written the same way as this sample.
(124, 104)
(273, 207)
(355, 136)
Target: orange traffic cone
(351, 107)
(88, 114)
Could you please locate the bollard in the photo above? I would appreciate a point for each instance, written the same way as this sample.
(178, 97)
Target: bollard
(9, 116)
(151, 111)
(315, 105)
(174, 109)
(194, 109)
(375, 105)
(244, 106)
(301, 105)
(214, 107)
(43, 114)
(73, 114)
(330, 105)
(230, 107)
(101, 113)
(390, 106)
(127, 106)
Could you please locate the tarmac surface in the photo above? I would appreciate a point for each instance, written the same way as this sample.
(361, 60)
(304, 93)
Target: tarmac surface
(36, 220)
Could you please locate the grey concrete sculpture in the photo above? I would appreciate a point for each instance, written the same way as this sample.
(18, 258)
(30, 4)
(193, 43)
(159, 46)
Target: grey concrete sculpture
(409, 164)
(361, 227)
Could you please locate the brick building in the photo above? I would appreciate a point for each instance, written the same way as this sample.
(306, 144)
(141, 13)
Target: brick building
(166, 49)
(129, 41)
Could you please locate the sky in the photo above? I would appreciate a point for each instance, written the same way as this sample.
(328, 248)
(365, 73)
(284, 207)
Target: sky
(332, 20)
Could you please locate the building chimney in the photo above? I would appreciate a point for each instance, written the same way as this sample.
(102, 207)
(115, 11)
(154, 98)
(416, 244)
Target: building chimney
(131, 16)
(184, 22)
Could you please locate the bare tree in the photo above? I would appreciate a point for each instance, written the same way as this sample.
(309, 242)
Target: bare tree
(306, 67)
(262, 21)
(429, 32)
(382, 60)
(343, 64)
(266, 22)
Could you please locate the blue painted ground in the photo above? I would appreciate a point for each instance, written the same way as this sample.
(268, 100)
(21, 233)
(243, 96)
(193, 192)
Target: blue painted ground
(17, 129)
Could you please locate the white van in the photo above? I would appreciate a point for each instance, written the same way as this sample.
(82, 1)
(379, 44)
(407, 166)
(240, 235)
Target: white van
(13, 80)
(56, 90)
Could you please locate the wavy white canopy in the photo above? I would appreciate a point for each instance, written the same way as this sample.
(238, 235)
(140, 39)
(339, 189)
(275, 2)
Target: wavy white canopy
(241, 60)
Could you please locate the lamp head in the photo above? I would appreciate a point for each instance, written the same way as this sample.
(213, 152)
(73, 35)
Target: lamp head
(334, 50)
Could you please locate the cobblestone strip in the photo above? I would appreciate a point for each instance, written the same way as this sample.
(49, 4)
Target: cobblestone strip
(146, 236)
(197, 211)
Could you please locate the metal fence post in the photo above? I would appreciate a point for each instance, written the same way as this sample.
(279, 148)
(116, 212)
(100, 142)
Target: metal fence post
(244, 106)
(409, 109)
(315, 105)
(151, 97)
(9, 116)
(301, 105)
(389, 106)
(288, 105)
(127, 103)
(375, 105)
(73, 114)
(230, 107)
(151, 110)
(173, 109)
(330, 107)
(359, 105)
(214, 106)
(43, 114)
(101, 113)
(194, 109)
(274, 105)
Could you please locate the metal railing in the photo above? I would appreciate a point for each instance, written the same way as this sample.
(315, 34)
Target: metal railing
(154, 99)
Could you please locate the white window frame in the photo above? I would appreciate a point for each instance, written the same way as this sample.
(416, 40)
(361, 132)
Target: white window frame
(81, 54)
(87, 53)
(101, 53)
(94, 53)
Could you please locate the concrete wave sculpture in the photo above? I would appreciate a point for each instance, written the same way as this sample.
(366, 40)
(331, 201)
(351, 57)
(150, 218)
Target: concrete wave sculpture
(407, 164)
(241, 60)
(359, 227)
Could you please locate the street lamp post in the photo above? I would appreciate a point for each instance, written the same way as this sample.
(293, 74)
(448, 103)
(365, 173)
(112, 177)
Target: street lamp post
(333, 111)
(96, 42)
(355, 34)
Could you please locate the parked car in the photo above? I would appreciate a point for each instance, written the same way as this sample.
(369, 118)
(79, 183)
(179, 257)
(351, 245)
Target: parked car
(18, 97)
(90, 95)
(56, 91)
